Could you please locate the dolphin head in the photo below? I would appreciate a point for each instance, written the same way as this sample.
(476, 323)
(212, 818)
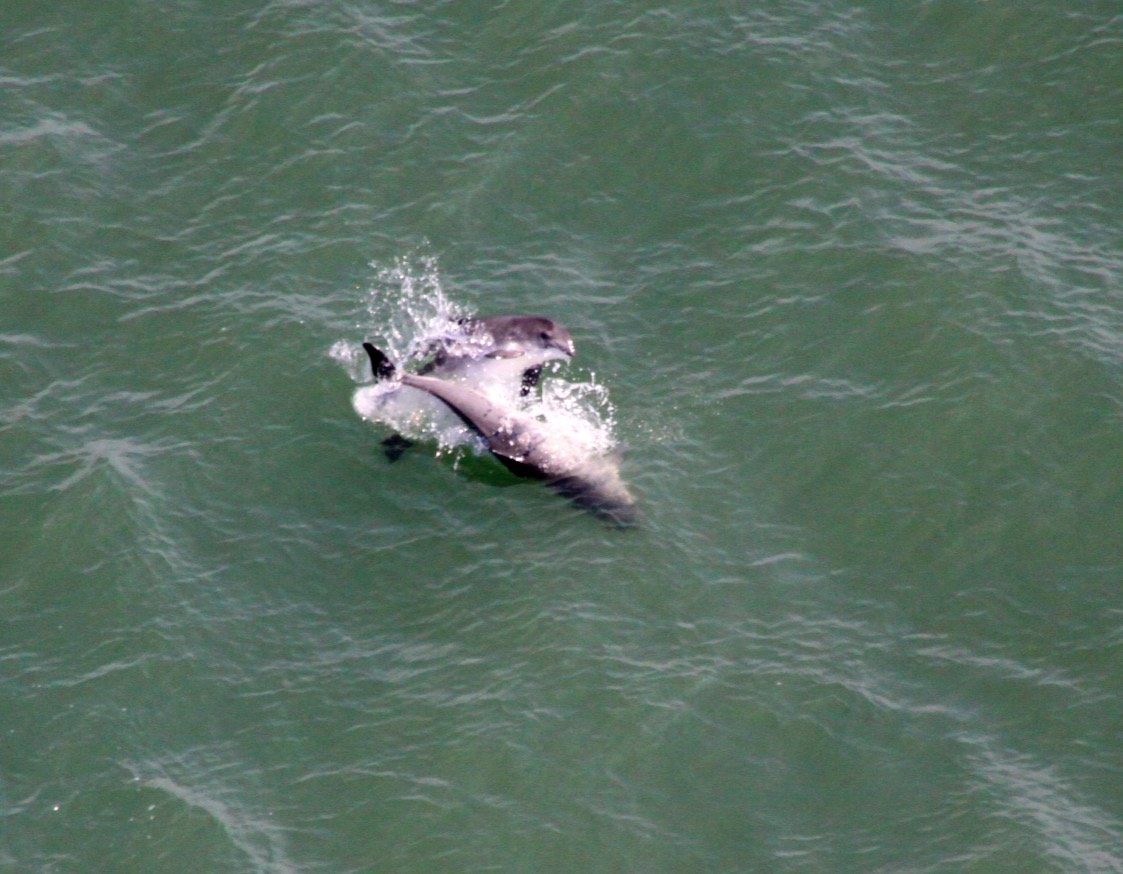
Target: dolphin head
(536, 336)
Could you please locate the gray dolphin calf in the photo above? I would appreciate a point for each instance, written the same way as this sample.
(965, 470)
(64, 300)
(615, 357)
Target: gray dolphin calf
(525, 445)
(504, 349)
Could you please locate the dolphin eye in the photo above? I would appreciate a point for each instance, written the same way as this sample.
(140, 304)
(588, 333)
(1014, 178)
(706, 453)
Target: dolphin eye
(544, 336)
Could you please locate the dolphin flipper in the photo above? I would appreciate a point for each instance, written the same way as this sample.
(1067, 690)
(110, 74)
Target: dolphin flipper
(395, 446)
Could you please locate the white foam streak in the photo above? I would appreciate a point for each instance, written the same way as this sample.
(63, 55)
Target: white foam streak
(254, 834)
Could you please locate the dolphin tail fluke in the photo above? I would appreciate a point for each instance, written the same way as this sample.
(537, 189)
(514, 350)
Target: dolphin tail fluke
(379, 363)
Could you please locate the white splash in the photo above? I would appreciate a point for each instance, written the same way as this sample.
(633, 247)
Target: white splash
(406, 314)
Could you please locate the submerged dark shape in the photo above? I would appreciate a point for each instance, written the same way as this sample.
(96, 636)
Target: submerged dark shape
(526, 446)
(501, 348)
(395, 446)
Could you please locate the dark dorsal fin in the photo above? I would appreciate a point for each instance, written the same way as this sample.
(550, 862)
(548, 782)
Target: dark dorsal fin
(379, 363)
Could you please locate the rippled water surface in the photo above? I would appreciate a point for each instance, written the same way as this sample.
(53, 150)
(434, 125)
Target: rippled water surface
(851, 276)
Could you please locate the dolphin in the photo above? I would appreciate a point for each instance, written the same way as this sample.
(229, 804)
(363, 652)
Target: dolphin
(500, 349)
(525, 445)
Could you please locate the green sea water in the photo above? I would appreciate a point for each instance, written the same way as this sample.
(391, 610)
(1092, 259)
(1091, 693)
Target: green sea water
(850, 277)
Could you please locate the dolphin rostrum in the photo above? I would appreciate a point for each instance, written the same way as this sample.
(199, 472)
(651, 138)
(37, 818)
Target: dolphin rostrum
(525, 445)
(501, 348)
